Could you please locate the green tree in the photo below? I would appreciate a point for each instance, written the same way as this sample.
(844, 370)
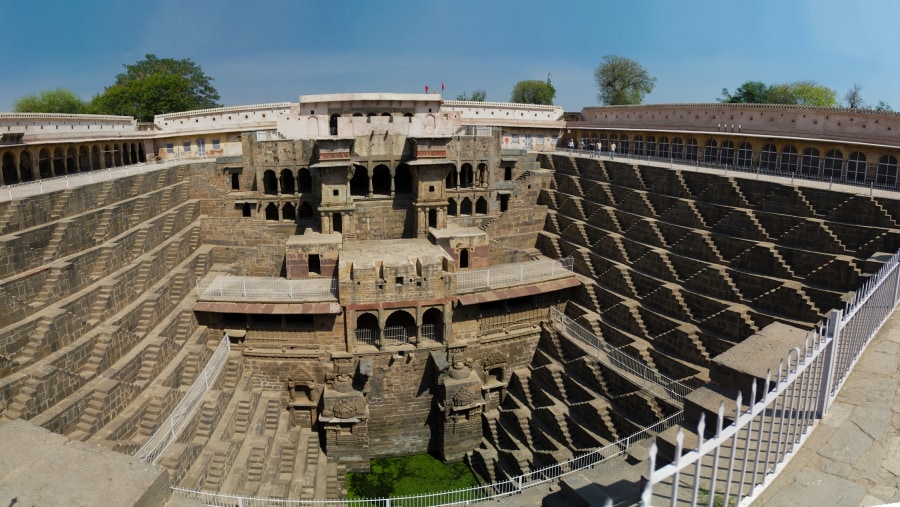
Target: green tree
(146, 87)
(50, 101)
(622, 80)
(803, 93)
(477, 96)
(751, 92)
(883, 106)
(533, 92)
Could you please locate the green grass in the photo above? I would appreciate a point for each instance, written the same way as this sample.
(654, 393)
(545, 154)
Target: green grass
(408, 475)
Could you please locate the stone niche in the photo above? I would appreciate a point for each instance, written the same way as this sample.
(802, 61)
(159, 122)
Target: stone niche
(461, 408)
(469, 246)
(312, 255)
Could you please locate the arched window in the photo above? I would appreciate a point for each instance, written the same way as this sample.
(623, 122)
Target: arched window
(25, 166)
(482, 174)
(834, 159)
(650, 148)
(886, 171)
(359, 183)
(84, 160)
(433, 325)
(745, 155)
(44, 163)
(726, 154)
(270, 184)
(691, 149)
(677, 148)
(304, 180)
(481, 206)
(10, 174)
(710, 152)
(95, 158)
(663, 148)
(466, 176)
(287, 181)
(466, 207)
(452, 181)
(288, 213)
(272, 212)
(59, 162)
(451, 207)
(809, 162)
(381, 180)
(856, 167)
(464, 258)
(71, 160)
(367, 329)
(788, 159)
(403, 180)
(638, 146)
(768, 158)
(107, 156)
(623, 145)
(399, 327)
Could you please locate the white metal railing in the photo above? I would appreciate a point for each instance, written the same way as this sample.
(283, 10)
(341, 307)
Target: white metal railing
(366, 335)
(737, 463)
(183, 412)
(465, 496)
(394, 335)
(253, 288)
(43, 186)
(508, 275)
(642, 375)
(433, 332)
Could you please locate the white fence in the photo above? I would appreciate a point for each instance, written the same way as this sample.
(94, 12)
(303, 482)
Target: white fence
(183, 412)
(43, 186)
(508, 275)
(252, 288)
(642, 375)
(738, 461)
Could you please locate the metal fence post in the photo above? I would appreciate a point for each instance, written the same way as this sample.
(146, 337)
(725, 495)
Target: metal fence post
(832, 336)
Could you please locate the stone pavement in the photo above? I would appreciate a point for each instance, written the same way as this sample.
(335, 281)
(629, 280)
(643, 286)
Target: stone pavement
(852, 458)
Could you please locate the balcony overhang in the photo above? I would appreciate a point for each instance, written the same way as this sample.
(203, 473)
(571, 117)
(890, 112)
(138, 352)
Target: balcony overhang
(530, 289)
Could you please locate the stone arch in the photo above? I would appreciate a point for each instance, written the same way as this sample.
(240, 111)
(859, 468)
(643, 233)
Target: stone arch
(71, 160)
(95, 157)
(304, 180)
(381, 180)
(856, 167)
(84, 159)
(287, 181)
(451, 207)
(25, 166)
(495, 365)
(429, 121)
(481, 207)
(650, 146)
(768, 158)
(400, 327)
(623, 145)
(367, 328)
(142, 155)
(452, 178)
(639, 145)
(466, 207)
(464, 258)
(272, 212)
(886, 171)
(710, 152)
(833, 165)
(59, 162)
(10, 172)
(433, 325)
(359, 183)
(403, 180)
(270, 182)
(809, 163)
(466, 176)
(117, 155)
(107, 156)
(45, 163)
(312, 126)
(288, 213)
(482, 174)
(788, 159)
(305, 211)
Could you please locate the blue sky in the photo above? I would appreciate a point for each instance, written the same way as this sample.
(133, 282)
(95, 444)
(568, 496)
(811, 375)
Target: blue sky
(269, 51)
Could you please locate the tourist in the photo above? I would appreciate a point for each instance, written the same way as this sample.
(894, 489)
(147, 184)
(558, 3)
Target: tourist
(612, 151)
(597, 147)
(571, 145)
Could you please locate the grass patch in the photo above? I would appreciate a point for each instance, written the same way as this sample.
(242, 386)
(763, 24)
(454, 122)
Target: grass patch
(408, 475)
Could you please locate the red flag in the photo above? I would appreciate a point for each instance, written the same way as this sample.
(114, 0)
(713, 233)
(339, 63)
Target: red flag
(442, 86)
(426, 88)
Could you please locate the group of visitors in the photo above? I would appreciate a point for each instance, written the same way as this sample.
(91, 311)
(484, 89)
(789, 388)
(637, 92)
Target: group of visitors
(595, 148)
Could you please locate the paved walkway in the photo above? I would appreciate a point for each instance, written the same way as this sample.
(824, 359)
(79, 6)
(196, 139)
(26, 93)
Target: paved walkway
(852, 458)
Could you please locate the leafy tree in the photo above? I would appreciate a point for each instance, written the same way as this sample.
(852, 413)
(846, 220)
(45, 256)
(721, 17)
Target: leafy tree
(533, 92)
(146, 88)
(622, 81)
(50, 101)
(883, 106)
(751, 92)
(803, 93)
(155, 94)
(853, 97)
(477, 96)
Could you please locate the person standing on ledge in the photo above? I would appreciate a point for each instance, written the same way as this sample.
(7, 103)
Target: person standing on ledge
(612, 151)
(571, 145)
(597, 147)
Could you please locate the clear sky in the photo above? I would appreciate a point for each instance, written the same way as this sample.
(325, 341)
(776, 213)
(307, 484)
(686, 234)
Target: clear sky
(260, 51)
